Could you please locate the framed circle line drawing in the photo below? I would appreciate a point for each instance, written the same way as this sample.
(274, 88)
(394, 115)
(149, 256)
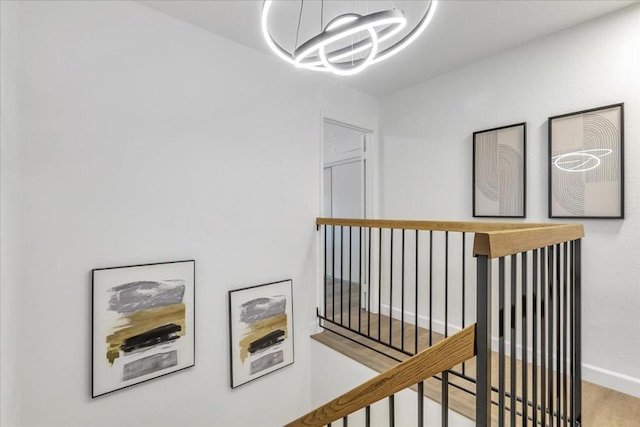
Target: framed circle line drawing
(499, 172)
(586, 163)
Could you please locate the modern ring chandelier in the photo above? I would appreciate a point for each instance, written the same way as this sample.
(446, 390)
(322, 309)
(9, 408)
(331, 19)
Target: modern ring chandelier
(350, 42)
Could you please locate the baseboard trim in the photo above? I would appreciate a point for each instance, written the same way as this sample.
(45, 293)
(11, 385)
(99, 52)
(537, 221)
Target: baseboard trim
(603, 377)
(611, 379)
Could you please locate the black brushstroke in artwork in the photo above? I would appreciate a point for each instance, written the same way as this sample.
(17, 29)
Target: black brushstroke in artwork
(151, 338)
(269, 340)
(150, 364)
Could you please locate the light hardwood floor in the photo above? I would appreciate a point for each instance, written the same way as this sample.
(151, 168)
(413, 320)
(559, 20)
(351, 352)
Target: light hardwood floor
(601, 407)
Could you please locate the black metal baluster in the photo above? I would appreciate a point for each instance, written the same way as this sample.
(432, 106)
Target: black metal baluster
(513, 339)
(367, 416)
(463, 289)
(565, 284)
(341, 274)
(392, 411)
(445, 374)
(446, 284)
(402, 298)
(445, 398)
(391, 290)
(576, 394)
(324, 279)
(350, 281)
(420, 404)
(543, 335)
(501, 341)
(483, 341)
(558, 335)
(430, 288)
(525, 350)
(551, 329)
(345, 421)
(571, 331)
(333, 273)
(380, 285)
(534, 337)
(369, 284)
(415, 347)
(360, 279)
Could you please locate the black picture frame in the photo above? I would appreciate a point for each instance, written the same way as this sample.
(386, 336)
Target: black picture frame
(500, 172)
(142, 323)
(260, 318)
(586, 163)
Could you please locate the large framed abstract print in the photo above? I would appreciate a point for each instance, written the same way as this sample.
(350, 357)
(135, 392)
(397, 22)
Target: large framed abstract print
(143, 323)
(586, 163)
(499, 171)
(260, 330)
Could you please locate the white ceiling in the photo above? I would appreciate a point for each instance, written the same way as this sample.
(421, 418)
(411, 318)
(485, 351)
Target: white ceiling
(462, 31)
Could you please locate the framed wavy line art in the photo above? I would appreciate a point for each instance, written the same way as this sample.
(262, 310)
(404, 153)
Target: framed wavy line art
(143, 323)
(260, 330)
(586, 163)
(499, 171)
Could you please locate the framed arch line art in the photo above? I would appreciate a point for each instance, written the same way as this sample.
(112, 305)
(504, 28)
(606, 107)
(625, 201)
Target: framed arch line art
(586, 163)
(260, 330)
(143, 323)
(499, 171)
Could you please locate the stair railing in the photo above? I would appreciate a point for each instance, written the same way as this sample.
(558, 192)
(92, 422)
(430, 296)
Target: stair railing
(399, 287)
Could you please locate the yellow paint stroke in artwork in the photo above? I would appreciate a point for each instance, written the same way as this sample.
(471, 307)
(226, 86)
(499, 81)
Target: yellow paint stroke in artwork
(260, 329)
(141, 321)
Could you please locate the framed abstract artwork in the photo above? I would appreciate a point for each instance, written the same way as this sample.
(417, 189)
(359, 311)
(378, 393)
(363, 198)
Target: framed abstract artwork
(586, 163)
(499, 171)
(143, 323)
(260, 330)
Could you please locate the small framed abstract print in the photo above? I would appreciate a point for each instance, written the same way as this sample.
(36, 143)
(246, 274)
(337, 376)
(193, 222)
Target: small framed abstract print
(260, 330)
(586, 163)
(499, 171)
(143, 323)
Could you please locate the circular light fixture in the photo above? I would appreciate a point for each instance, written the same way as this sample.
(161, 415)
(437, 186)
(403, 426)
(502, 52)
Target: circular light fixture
(316, 53)
(338, 68)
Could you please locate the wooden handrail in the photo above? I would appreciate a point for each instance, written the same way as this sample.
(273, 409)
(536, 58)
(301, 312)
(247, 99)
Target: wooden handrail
(437, 358)
(492, 239)
(496, 244)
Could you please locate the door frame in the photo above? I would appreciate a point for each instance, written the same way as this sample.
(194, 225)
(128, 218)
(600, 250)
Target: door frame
(369, 165)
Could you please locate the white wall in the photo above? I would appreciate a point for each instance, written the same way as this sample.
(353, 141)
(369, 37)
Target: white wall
(131, 137)
(426, 162)
(10, 220)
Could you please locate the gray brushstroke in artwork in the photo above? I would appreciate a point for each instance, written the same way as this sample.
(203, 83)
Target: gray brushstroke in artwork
(150, 364)
(266, 362)
(135, 296)
(262, 308)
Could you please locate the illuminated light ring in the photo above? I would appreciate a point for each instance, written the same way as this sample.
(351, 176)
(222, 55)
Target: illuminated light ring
(356, 48)
(347, 25)
(274, 46)
(359, 65)
(583, 156)
(409, 38)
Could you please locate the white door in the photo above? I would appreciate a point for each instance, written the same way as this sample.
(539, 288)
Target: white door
(344, 196)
